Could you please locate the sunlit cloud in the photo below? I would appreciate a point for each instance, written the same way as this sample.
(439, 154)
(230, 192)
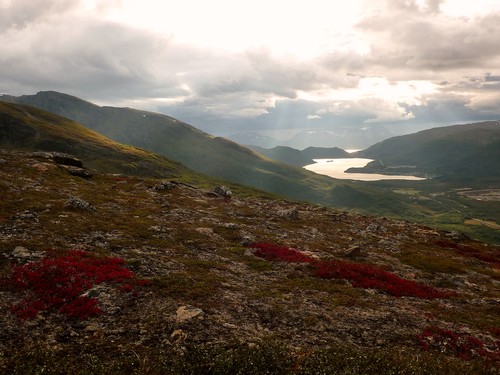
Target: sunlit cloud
(228, 66)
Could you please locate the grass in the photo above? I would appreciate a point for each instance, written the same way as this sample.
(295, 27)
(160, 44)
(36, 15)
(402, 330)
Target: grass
(432, 263)
(270, 356)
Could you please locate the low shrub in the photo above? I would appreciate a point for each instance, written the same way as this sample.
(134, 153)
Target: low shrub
(470, 252)
(371, 277)
(360, 275)
(277, 253)
(460, 345)
(60, 283)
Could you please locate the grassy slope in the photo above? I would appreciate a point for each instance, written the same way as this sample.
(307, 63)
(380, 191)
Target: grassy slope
(27, 128)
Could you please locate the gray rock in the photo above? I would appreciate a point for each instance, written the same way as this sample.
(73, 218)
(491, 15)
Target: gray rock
(223, 191)
(185, 313)
(164, 185)
(291, 213)
(78, 204)
(76, 171)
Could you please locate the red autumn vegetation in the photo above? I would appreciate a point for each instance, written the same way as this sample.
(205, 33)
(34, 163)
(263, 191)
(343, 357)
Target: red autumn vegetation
(360, 275)
(371, 277)
(60, 283)
(460, 345)
(275, 253)
(470, 252)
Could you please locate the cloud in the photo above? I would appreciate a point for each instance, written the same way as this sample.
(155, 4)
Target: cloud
(426, 40)
(20, 14)
(404, 62)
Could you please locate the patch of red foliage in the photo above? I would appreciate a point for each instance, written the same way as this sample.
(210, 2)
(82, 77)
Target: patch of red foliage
(59, 283)
(460, 345)
(371, 277)
(360, 275)
(275, 253)
(470, 252)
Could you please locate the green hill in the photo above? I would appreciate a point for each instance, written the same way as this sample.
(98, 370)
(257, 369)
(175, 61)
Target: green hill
(27, 128)
(460, 153)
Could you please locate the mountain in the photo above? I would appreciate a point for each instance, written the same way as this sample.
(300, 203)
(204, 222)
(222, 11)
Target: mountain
(325, 153)
(343, 137)
(27, 128)
(130, 276)
(461, 152)
(300, 158)
(254, 139)
(215, 156)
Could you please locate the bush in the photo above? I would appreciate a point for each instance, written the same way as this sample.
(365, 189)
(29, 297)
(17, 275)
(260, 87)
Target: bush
(60, 283)
(360, 275)
(462, 346)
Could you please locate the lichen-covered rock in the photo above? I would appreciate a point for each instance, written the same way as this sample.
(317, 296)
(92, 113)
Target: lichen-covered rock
(223, 191)
(76, 203)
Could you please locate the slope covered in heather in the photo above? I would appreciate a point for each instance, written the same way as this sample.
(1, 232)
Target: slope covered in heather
(162, 277)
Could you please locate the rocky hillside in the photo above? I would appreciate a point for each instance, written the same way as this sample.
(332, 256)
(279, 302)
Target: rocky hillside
(119, 274)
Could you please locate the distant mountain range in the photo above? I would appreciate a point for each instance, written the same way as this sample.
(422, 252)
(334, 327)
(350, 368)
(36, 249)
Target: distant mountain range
(342, 137)
(300, 158)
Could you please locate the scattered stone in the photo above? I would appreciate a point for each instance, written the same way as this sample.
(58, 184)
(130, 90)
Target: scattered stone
(231, 226)
(76, 171)
(42, 167)
(185, 313)
(164, 185)
(209, 232)
(223, 191)
(291, 213)
(178, 335)
(78, 204)
(66, 159)
(247, 239)
(457, 236)
(21, 252)
(376, 228)
(354, 252)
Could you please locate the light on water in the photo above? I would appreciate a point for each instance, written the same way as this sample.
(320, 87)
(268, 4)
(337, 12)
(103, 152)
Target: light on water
(336, 168)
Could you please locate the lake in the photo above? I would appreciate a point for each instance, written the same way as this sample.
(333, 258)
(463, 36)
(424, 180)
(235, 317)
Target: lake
(335, 168)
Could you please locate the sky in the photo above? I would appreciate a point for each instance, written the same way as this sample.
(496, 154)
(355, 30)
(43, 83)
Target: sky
(229, 66)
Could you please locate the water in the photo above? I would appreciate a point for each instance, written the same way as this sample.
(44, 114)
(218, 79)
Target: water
(335, 168)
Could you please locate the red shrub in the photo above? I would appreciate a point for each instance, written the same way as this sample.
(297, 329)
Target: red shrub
(276, 253)
(371, 277)
(59, 283)
(360, 275)
(470, 252)
(462, 346)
